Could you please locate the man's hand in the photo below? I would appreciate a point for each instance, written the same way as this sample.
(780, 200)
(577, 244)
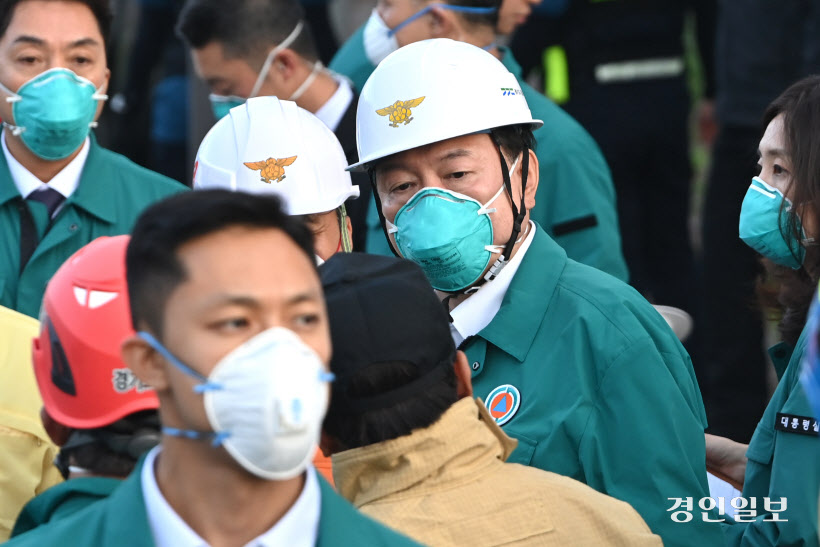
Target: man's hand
(726, 459)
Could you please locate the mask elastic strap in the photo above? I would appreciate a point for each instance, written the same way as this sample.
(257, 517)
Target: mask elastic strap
(263, 72)
(216, 438)
(463, 9)
(16, 130)
(382, 220)
(500, 248)
(206, 385)
(317, 66)
(12, 96)
(485, 209)
(345, 241)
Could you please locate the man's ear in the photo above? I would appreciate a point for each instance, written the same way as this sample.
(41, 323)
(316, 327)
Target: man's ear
(145, 362)
(349, 224)
(284, 66)
(532, 180)
(58, 432)
(464, 382)
(444, 23)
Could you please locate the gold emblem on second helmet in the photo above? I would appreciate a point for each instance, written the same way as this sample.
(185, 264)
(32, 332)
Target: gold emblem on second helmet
(399, 112)
(271, 169)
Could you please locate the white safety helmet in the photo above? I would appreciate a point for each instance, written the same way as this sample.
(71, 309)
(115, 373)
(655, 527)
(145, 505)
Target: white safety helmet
(434, 90)
(268, 146)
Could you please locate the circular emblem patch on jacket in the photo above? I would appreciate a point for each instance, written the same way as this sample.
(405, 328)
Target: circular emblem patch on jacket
(503, 402)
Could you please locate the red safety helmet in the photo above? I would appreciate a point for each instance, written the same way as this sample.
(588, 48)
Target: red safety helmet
(84, 319)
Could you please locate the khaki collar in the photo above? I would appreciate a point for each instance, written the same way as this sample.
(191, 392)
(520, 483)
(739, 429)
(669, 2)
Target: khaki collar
(463, 443)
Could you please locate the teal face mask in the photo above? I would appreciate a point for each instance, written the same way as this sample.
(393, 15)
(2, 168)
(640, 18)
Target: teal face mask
(764, 220)
(449, 235)
(53, 112)
(221, 104)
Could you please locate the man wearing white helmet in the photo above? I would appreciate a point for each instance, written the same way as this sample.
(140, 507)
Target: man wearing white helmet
(573, 363)
(264, 48)
(268, 146)
(576, 202)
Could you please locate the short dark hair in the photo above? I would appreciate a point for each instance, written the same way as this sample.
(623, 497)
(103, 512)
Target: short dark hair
(153, 269)
(374, 426)
(246, 28)
(483, 19)
(514, 139)
(100, 8)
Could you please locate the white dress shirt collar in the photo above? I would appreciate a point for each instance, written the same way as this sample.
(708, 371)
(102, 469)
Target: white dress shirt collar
(473, 314)
(299, 527)
(332, 112)
(65, 182)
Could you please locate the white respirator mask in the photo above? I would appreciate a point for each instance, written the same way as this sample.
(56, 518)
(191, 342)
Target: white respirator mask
(265, 401)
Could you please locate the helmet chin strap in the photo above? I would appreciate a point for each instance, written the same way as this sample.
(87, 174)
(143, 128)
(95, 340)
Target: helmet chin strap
(519, 213)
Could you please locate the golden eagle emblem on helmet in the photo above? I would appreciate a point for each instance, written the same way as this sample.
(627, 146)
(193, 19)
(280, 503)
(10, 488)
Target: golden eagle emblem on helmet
(271, 169)
(399, 112)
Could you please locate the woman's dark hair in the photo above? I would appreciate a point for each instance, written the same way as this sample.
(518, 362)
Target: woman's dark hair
(800, 108)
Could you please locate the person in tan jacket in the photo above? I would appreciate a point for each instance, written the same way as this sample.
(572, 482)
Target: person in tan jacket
(412, 448)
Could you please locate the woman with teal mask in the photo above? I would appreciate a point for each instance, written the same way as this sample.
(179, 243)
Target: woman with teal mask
(780, 468)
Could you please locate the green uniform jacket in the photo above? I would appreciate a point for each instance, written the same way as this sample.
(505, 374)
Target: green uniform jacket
(782, 464)
(120, 520)
(608, 395)
(111, 194)
(575, 202)
(63, 500)
(351, 60)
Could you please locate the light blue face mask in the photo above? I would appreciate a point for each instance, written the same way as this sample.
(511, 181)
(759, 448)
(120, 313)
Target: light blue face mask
(53, 112)
(221, 105)
(764, 221)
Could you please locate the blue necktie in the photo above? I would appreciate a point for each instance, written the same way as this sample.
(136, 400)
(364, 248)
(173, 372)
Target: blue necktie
(49, 197)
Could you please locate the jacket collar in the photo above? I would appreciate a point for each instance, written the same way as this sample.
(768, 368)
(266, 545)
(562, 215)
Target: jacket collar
(514, 327)
(8, 190)
(128, 500)
(450, 451)
(91, 194)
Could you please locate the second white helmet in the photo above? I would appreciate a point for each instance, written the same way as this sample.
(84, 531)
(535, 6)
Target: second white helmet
(268, 146)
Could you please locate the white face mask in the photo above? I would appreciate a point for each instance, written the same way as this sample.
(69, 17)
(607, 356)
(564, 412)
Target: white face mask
(265, 401)
(379, 41)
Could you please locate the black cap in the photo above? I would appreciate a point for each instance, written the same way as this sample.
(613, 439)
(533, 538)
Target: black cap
(383, 309)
